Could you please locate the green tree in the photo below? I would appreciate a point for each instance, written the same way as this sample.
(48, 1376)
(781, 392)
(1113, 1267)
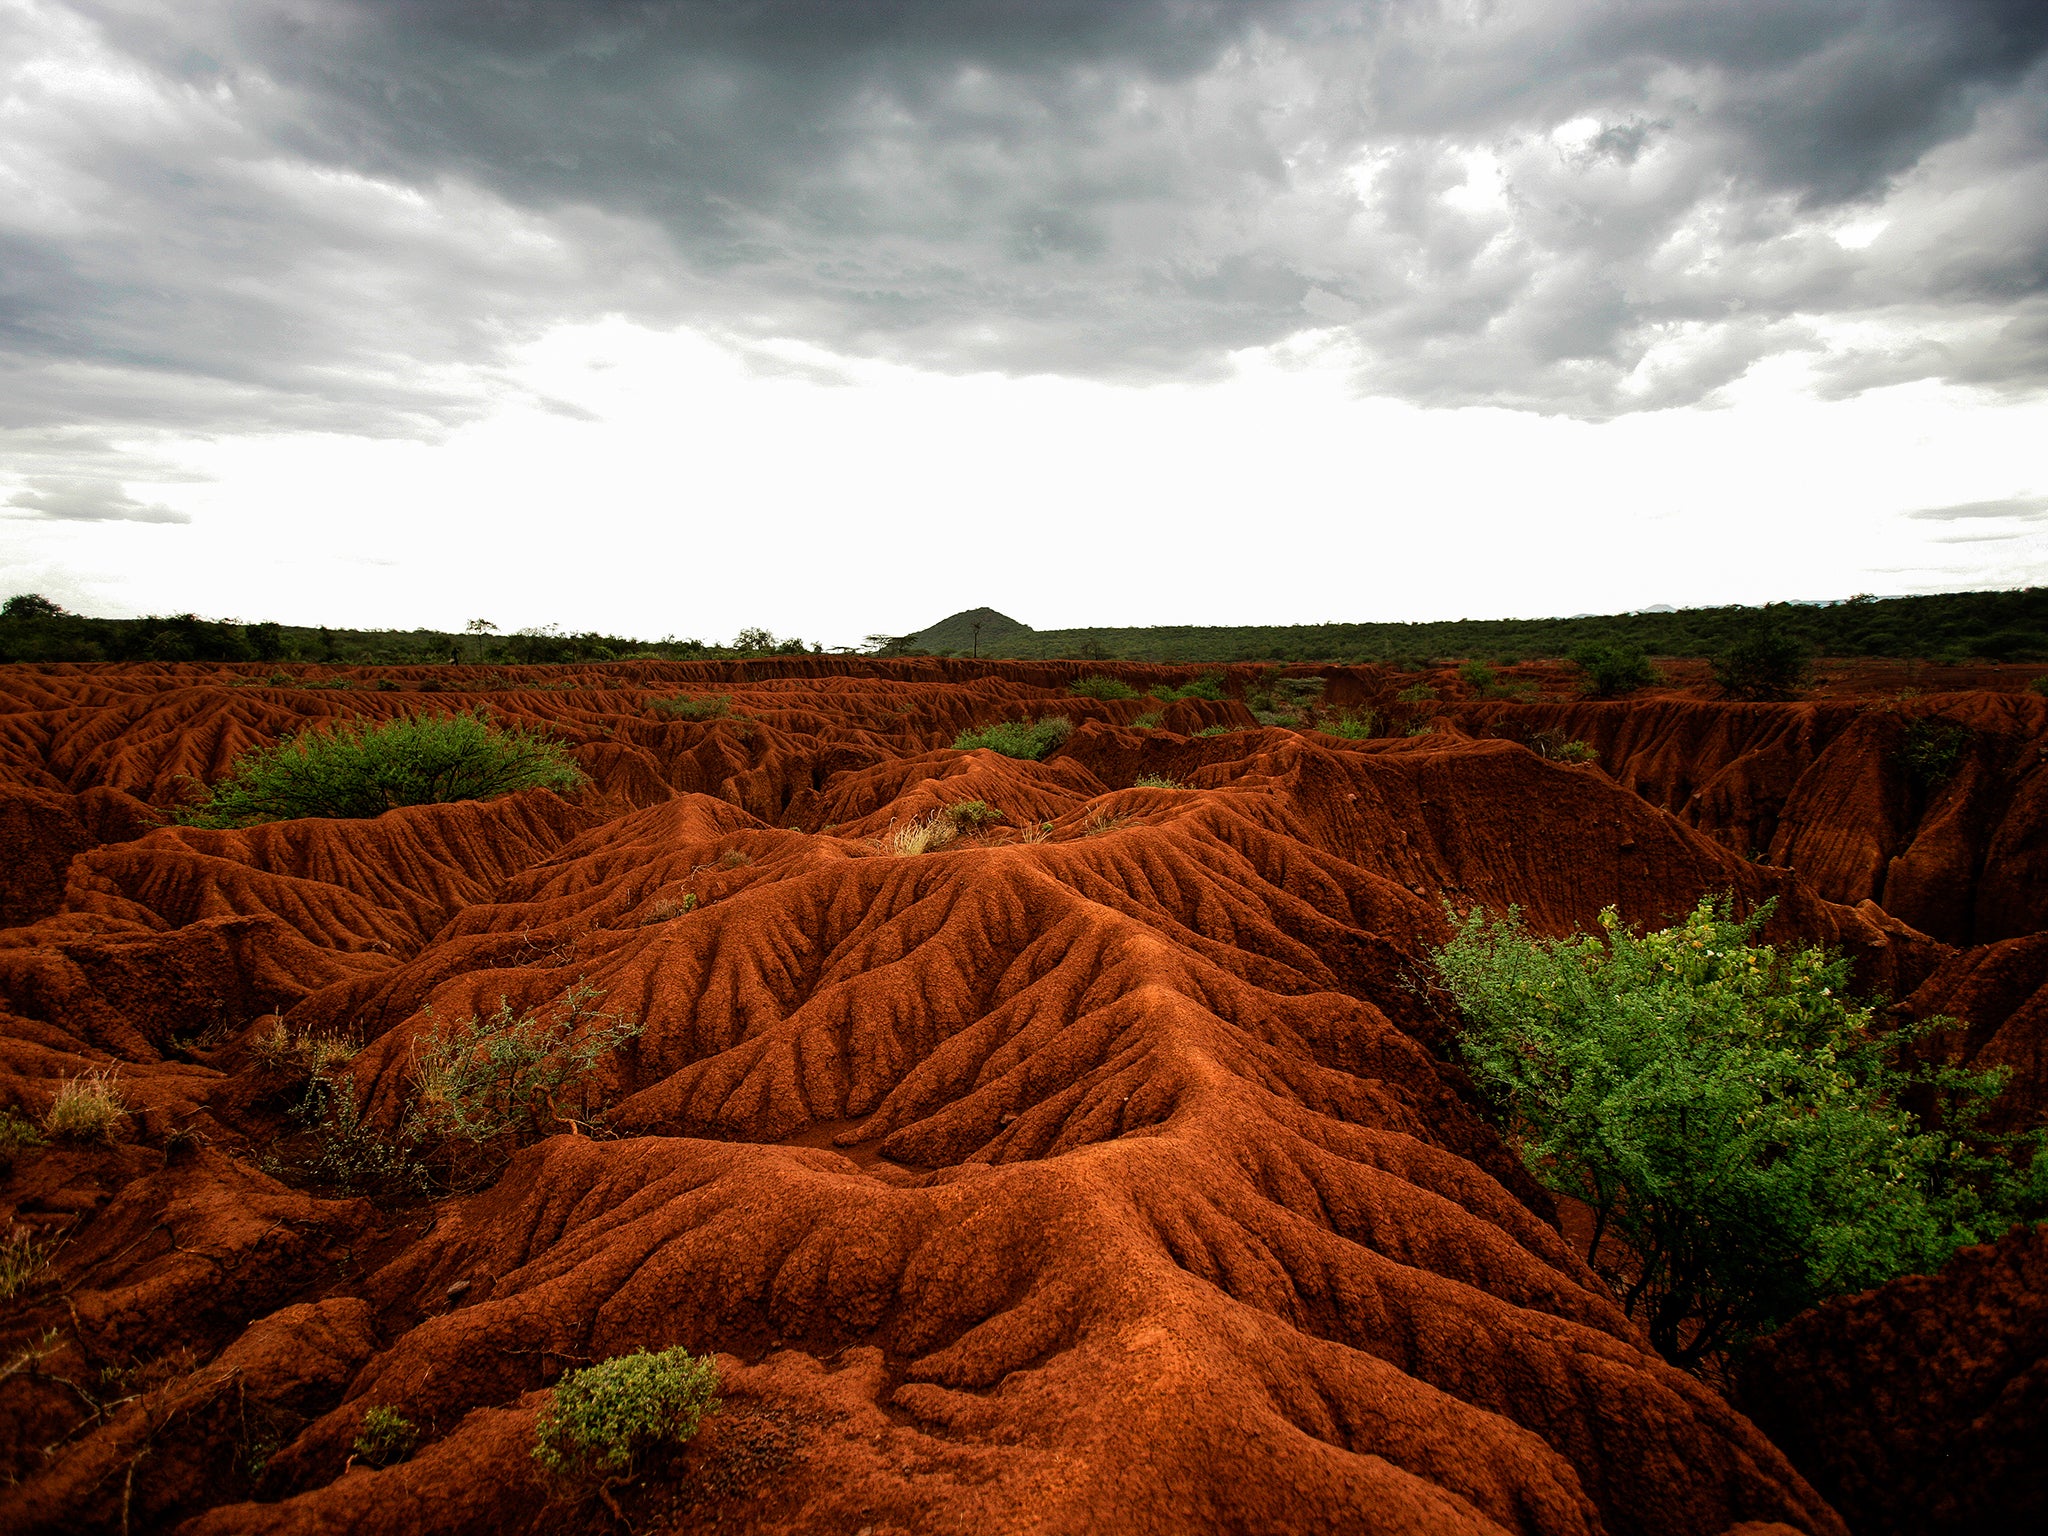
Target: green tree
(1764, 662)
(1613, 670)
(1728, 1112)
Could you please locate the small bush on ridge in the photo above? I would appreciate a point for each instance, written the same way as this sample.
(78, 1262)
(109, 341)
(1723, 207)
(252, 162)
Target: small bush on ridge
(1098, 686)
(1208, 686)
(1362, 726)
(971, 814)
(1016, 738)
(359, 770)
(602, 1419)
(1765, 663)
(1930, 750)
(1560, 748)
(684, 707)
(1149, 721)
(1156, 781)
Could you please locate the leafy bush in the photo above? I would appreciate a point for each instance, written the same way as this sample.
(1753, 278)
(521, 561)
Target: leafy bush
(350, 1154)
(1149, 721)
(1765, 663)
(1930, 750)
(1613, 670)
(1156, 781)
(683, 707)
(359, 769)
(1208, 686)
(1098, 686)
(1726, 1110)
(503, 1078)
(1478, 676)
(1362, 726)
(1416, 693)
(1016, 738)
(601, 1420)
(386, 1438)
(86, 1108)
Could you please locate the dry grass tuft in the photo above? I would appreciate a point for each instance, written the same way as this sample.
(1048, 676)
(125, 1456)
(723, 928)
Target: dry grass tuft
(22, 1260)
(86, 1108)
(927, 834)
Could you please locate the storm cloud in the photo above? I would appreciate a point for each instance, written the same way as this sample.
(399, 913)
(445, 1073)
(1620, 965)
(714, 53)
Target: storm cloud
(339, 215)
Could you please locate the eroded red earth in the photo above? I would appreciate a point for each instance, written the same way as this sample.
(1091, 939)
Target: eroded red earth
(1100, 1172)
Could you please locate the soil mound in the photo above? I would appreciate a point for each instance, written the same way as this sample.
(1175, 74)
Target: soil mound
(1099, 1169)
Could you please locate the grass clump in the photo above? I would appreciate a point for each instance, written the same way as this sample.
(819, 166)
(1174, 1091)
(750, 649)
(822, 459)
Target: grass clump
(1156, 781)
(1099, 686)
(1208, 686)
(386, 1438)
(1362, 726)
(1612, 671)
(683, 706)
(1560, 748)
(87, 1108)
(1017, 738)
(1416, 693)
(924, 834)
(972, 815)
(1148, 721)
(1732, 1116)
(359, 770)
(603, 1419)
(22, 1262)
(18, 1133)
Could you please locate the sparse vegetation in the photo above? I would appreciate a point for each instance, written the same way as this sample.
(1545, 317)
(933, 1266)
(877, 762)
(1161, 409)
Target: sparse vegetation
(1613, 670)
(386, 1438)
(602, 1420)
(507, 1078)
(1416, 693)
(683, 706)
(1017, 738)
(1930, 749)
(1149, 721)
(922, 834)
(1764, 663)
(1361, 725)
(23, 1259)
(669, 907)
(1560, 748)
(1156, 781)
(971, 815)
(1208, 686)
(86, 1108)
(1731, 1115)
(2040, 685)
(1098, 686)
(359, 770)
(17, 1134)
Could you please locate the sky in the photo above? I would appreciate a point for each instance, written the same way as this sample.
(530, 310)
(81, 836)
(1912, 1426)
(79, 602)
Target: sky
(839, 317)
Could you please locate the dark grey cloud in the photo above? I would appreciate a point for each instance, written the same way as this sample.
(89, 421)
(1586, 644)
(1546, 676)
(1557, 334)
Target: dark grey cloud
(88, 499)
(343, 214)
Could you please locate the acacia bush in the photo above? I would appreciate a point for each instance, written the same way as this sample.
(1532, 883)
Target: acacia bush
(602, 1419)
(359, 769)
(1728, 1112)
(1018, 738)
(1613, 670)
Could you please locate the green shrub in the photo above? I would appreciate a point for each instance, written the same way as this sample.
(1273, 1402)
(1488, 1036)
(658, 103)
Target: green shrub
(1149, 721)
(350, 1154)
(1215, 730)
(1098, 686)
(1765, 663)
(1017, 738)
(601, 1420)
(1362, 726)
(1416, 693)
(683, 707)
(386, 1438)
(358, 769)
(1208, 686)
(2040, 685)
(1477, 676)
(1612, 671)
(1156, 781)
(1728, 1112)
(1930, 750)
(969, 815)
(505, 1078)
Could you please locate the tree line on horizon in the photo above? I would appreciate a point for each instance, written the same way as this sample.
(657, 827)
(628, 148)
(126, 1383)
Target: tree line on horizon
(1947, 627)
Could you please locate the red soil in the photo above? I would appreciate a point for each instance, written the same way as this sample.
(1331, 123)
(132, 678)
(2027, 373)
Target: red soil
(1099, 1173)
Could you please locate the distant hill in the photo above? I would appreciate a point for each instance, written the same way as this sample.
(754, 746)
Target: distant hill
(1992, 626)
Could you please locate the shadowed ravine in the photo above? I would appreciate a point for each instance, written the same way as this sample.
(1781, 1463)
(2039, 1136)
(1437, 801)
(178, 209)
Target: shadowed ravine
(1102, 1171)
